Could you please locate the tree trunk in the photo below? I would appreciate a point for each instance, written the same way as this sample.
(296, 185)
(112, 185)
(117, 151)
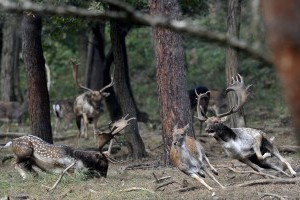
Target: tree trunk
(39, 109)
(232, 63)
(282, 25)
(10, 56)
(134, 141)
(96, 57)
(170, 74)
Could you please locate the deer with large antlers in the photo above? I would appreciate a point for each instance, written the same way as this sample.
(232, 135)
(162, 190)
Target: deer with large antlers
(87, 105)
(248, 145)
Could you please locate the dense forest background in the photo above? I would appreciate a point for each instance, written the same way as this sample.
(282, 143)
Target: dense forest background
(65, 38)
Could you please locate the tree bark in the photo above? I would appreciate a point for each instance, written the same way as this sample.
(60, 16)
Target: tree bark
(134, 141)
(36, 77)
(10, 56)
(232, 62)
(170, 74)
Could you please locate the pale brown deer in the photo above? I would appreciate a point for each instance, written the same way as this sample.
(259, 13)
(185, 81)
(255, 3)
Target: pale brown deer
(12, 112)
(87, 105)
(188, 155)
(248, 145)
(63, 111)
(32, 151)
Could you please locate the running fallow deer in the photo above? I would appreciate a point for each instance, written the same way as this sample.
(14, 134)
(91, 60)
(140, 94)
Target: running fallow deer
(87, 105)
(63, 111)
(188, 155)
(248, 145)
(32, 151)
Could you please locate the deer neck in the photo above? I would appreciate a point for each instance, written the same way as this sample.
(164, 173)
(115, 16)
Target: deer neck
(225, 133)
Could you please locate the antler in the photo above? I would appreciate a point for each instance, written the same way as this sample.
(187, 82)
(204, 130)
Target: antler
(109, 85)
(120, 124)
(75, 75)
(241, 91)
(200, 111)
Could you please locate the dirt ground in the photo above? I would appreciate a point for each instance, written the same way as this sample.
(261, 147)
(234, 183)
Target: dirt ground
(135, 179)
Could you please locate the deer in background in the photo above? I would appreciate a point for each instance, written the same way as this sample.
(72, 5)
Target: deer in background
(87, 105)
(188, 155)
(12, 112)
(63, 111)
(248, 145)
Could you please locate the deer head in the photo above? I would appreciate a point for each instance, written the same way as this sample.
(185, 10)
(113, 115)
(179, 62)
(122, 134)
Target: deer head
(242, 92)
(95, 95)
(104, 137)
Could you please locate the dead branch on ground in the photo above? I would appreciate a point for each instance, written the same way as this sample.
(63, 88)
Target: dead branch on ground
(165, 184)
(252, 172)
(270, 181)
(273, 195)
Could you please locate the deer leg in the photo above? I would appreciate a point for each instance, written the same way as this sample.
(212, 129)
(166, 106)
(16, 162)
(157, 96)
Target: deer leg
(56, 126)
(212, 177)
(285, 163)
(256, 148)
(210, 166)
(250, 164)
(195, 176)
(85, 125)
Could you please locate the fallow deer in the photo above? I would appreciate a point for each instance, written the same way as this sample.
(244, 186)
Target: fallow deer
(248, 145)
(63, 111)
(87, 105)
(188, 155)
(32, 151)
(12, 112)
(114, 129)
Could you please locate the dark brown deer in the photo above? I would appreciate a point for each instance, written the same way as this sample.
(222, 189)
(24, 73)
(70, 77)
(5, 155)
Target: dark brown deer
(250, 146)
(188, 155)
(87, 105)
(12, 112)
(32, 151)
(63, 111)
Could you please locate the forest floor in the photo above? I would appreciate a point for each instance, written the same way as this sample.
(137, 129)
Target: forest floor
(135, 179)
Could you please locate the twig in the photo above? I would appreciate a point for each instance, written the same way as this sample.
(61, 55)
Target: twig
(273, 195)
(165, 184)
(137, 189)
(156, 179)
(60, 177)
(161, 179)
(270, 181)
(186, 189)
(141, 166)
(252, 172)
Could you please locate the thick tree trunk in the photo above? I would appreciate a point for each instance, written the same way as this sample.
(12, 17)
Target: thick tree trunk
(36, 77)
(10, 56)
(282, 24)
(134, 141)
(170, 74)
(232, 63)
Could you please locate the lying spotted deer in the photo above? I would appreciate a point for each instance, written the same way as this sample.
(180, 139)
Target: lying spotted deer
(248, 145)
(87, 105)
(188, 155)
(32, 151)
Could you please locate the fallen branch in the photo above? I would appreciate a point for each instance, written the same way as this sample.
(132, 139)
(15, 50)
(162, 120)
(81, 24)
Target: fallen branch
(60, 177)
(252, 172)
(270, 181)
(137, 189)
(161, 179)
(141, 166)
(289, 149)
(12, 134)
(165, 184)
(187, 189)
